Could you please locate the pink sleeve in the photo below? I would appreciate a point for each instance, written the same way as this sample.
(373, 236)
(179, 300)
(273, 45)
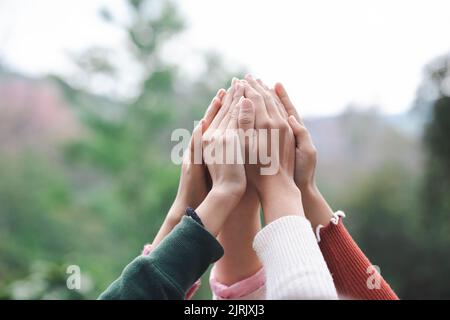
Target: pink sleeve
(148, 249)
(251, 288)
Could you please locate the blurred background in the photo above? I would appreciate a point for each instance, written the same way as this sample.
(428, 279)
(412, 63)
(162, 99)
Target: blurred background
(90, 92)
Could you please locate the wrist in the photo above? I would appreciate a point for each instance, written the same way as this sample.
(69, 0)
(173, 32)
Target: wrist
(309, 190)
(215, 209)
(275, 187)
(172, 218)
(232, 189)
(176, 212)
(316, 208)
(189, 197)
(281, 200)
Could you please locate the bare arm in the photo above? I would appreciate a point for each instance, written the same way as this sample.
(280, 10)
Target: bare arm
(240, 260)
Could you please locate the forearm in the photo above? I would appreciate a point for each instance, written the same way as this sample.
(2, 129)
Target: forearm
(240, 260)
(317, 210)
(216, 208)
(176, 211)
(280, 199)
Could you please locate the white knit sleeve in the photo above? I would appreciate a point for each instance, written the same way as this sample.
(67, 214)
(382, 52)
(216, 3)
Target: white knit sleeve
(294, 265)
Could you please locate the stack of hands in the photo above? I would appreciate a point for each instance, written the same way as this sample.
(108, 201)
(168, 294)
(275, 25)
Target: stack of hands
(251, 150)
(252, 120)
(251, 106)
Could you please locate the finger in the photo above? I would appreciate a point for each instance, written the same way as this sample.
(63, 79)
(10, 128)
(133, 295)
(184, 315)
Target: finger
(226, 101)
(254, 84)
(261, 115)
(262, 84)
(243, 82)
(221, 93)
(299, 130)
(238, 94)
(279, 104)
(268, 100)
(288, 105)
(211, 112)
(246, 123)
(195, 145)
(233, 123)
(246, 116)
(232, 132)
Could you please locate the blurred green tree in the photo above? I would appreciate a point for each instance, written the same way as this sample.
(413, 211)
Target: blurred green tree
(436, 190)
(96, 201)
(125, 154)
(402, 221)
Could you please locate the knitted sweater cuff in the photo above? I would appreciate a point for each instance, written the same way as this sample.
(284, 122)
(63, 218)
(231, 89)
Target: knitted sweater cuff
(354, 275)
(294, 265)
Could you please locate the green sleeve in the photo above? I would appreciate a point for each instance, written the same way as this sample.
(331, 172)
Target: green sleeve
(171, 269)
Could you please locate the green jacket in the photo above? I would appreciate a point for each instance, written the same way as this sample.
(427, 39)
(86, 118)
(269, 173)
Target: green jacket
(171, 268)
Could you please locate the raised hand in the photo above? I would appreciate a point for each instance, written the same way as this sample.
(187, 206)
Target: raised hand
(192, 188)
(222, 154)
(317, 209)
(236, 237)
(305, 151)
(276, 188)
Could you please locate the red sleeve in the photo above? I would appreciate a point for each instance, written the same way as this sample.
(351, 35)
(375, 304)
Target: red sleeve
(351, 270)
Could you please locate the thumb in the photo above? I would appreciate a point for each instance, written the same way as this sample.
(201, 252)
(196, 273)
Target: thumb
(195, 145)
(246, 117)
(286, 101)
(300, 131)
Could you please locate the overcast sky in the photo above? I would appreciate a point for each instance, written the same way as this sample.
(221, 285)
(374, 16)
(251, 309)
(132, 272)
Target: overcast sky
(328, 53)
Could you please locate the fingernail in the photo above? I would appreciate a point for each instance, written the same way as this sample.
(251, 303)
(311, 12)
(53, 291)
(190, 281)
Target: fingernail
(234, 80)
(218, 102)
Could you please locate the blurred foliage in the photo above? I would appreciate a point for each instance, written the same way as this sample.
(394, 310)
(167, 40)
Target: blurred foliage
(401, 218)
(94, 201)
(115, 184)
(128, 152)
(47, 280)
(436, 138)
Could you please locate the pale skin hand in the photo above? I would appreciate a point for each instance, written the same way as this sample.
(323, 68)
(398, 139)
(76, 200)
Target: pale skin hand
(316, 208)
(192, 189)
(275, 204)
(228, 180)
(236, 237)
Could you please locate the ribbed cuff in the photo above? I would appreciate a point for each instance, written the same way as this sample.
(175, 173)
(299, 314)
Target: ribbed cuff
(294, 265)
(354, 275)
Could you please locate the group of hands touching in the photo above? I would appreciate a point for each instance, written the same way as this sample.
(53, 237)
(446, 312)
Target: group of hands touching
(227, 197)
(216, 215)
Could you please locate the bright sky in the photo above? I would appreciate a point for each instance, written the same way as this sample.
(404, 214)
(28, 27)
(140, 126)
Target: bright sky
(328, 53)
